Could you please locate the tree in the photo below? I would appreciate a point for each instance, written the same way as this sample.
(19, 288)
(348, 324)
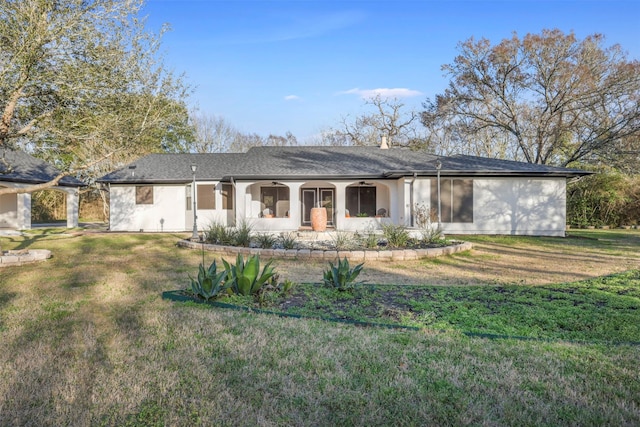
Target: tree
(244, 142)
(82, 82)
(556, 99)
(389, 119)
(212, 134)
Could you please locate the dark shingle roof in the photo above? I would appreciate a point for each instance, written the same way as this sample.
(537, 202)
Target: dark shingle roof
(306, 162)
(26, 169)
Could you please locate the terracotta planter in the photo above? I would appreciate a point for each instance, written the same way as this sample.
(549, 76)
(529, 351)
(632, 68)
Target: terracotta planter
(319, 219)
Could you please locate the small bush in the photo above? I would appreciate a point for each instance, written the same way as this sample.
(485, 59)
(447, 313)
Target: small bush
(397, 236)
(342, 240)
(246, 278)
(219, 234)
(209, 283)
(342, 277)
(265, 240)
(288, 240)
(425, 219)
(243, 234)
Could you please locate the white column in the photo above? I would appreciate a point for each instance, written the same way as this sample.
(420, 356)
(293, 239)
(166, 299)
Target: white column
(24, 211)
(73, 207)
(295, 205)
(341, 205)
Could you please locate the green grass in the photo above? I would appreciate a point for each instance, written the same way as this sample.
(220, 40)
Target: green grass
(87, 340)
(605, 309)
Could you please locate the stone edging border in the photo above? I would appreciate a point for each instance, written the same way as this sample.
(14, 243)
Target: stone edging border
(24, 257)
(322, 255)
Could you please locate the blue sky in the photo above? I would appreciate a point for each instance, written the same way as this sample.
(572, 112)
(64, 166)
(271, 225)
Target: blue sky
(272, 66)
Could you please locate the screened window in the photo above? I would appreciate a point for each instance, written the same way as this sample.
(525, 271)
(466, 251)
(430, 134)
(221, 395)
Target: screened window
(456, 199)
(189, 198)
(272, 198)
(227, 196)
(206, 196)
(144, 195)
(361, 201)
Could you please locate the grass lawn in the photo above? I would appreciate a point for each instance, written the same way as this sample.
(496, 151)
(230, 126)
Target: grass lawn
(86, 339)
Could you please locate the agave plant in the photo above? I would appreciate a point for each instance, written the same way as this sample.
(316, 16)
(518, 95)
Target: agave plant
(246, 278)
(342, 277)
(209, 283)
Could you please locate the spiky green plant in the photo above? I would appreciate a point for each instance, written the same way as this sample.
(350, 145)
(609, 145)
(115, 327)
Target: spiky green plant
(341, 276)
(265, 240)
(246, 278)
(209, 283)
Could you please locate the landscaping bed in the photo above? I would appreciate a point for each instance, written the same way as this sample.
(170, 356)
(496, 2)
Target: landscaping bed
(604, 310)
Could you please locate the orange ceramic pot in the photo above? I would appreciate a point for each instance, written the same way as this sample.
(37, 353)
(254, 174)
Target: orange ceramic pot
(319, 219)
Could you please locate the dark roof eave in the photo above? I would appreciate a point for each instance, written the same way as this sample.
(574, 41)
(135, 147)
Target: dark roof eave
(300, 177)
(37, 182)
(153, 181)
(496, 174)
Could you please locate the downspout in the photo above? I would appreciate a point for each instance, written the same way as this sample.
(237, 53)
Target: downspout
(415, 174)
(235, 196)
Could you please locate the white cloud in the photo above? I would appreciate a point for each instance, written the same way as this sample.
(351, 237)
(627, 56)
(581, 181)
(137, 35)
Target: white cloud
(292, 98)
(382, 92)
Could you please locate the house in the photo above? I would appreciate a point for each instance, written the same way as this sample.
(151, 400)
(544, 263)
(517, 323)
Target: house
(274, 188)
(20, 170)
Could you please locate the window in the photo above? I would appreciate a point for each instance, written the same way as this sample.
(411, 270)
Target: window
(361, 201)
(273, 198)
(456, 199)
(144, 195)
(227, 196)
(206, 196)
(189, 197)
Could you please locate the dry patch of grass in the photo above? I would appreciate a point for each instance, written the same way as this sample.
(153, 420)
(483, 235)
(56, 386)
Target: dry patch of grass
(87, 340)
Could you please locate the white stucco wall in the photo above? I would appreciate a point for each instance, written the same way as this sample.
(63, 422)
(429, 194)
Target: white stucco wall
(524, 206)
(167, 213)
(15, 209)
(521, 206)
(9, 211)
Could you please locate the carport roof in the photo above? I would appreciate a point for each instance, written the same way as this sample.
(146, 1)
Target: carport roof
(20, 167)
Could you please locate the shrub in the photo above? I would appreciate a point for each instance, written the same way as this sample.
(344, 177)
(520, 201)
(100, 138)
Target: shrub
(209, 283)
(425, 219)
(342, 277)
(342, 240)
(246, 278)
(397, 235)
(243, 234)
(288, 240)
(219, 234)
(605, 198)
(265, 240)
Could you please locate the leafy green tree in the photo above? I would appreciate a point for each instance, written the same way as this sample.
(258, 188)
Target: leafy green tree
(83, 85)
(557, 99)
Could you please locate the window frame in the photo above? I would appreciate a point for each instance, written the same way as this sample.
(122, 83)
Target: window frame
(362, 190)
(144, 194)
(280, 192)
(206, 197)
(456, 199)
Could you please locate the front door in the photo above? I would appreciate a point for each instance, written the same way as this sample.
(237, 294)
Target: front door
(311, 197)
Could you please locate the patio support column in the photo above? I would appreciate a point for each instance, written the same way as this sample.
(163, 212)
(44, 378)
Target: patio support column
(341, 206)
(73, 207)
(295, 205)
(24, 211)
(243, 202)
